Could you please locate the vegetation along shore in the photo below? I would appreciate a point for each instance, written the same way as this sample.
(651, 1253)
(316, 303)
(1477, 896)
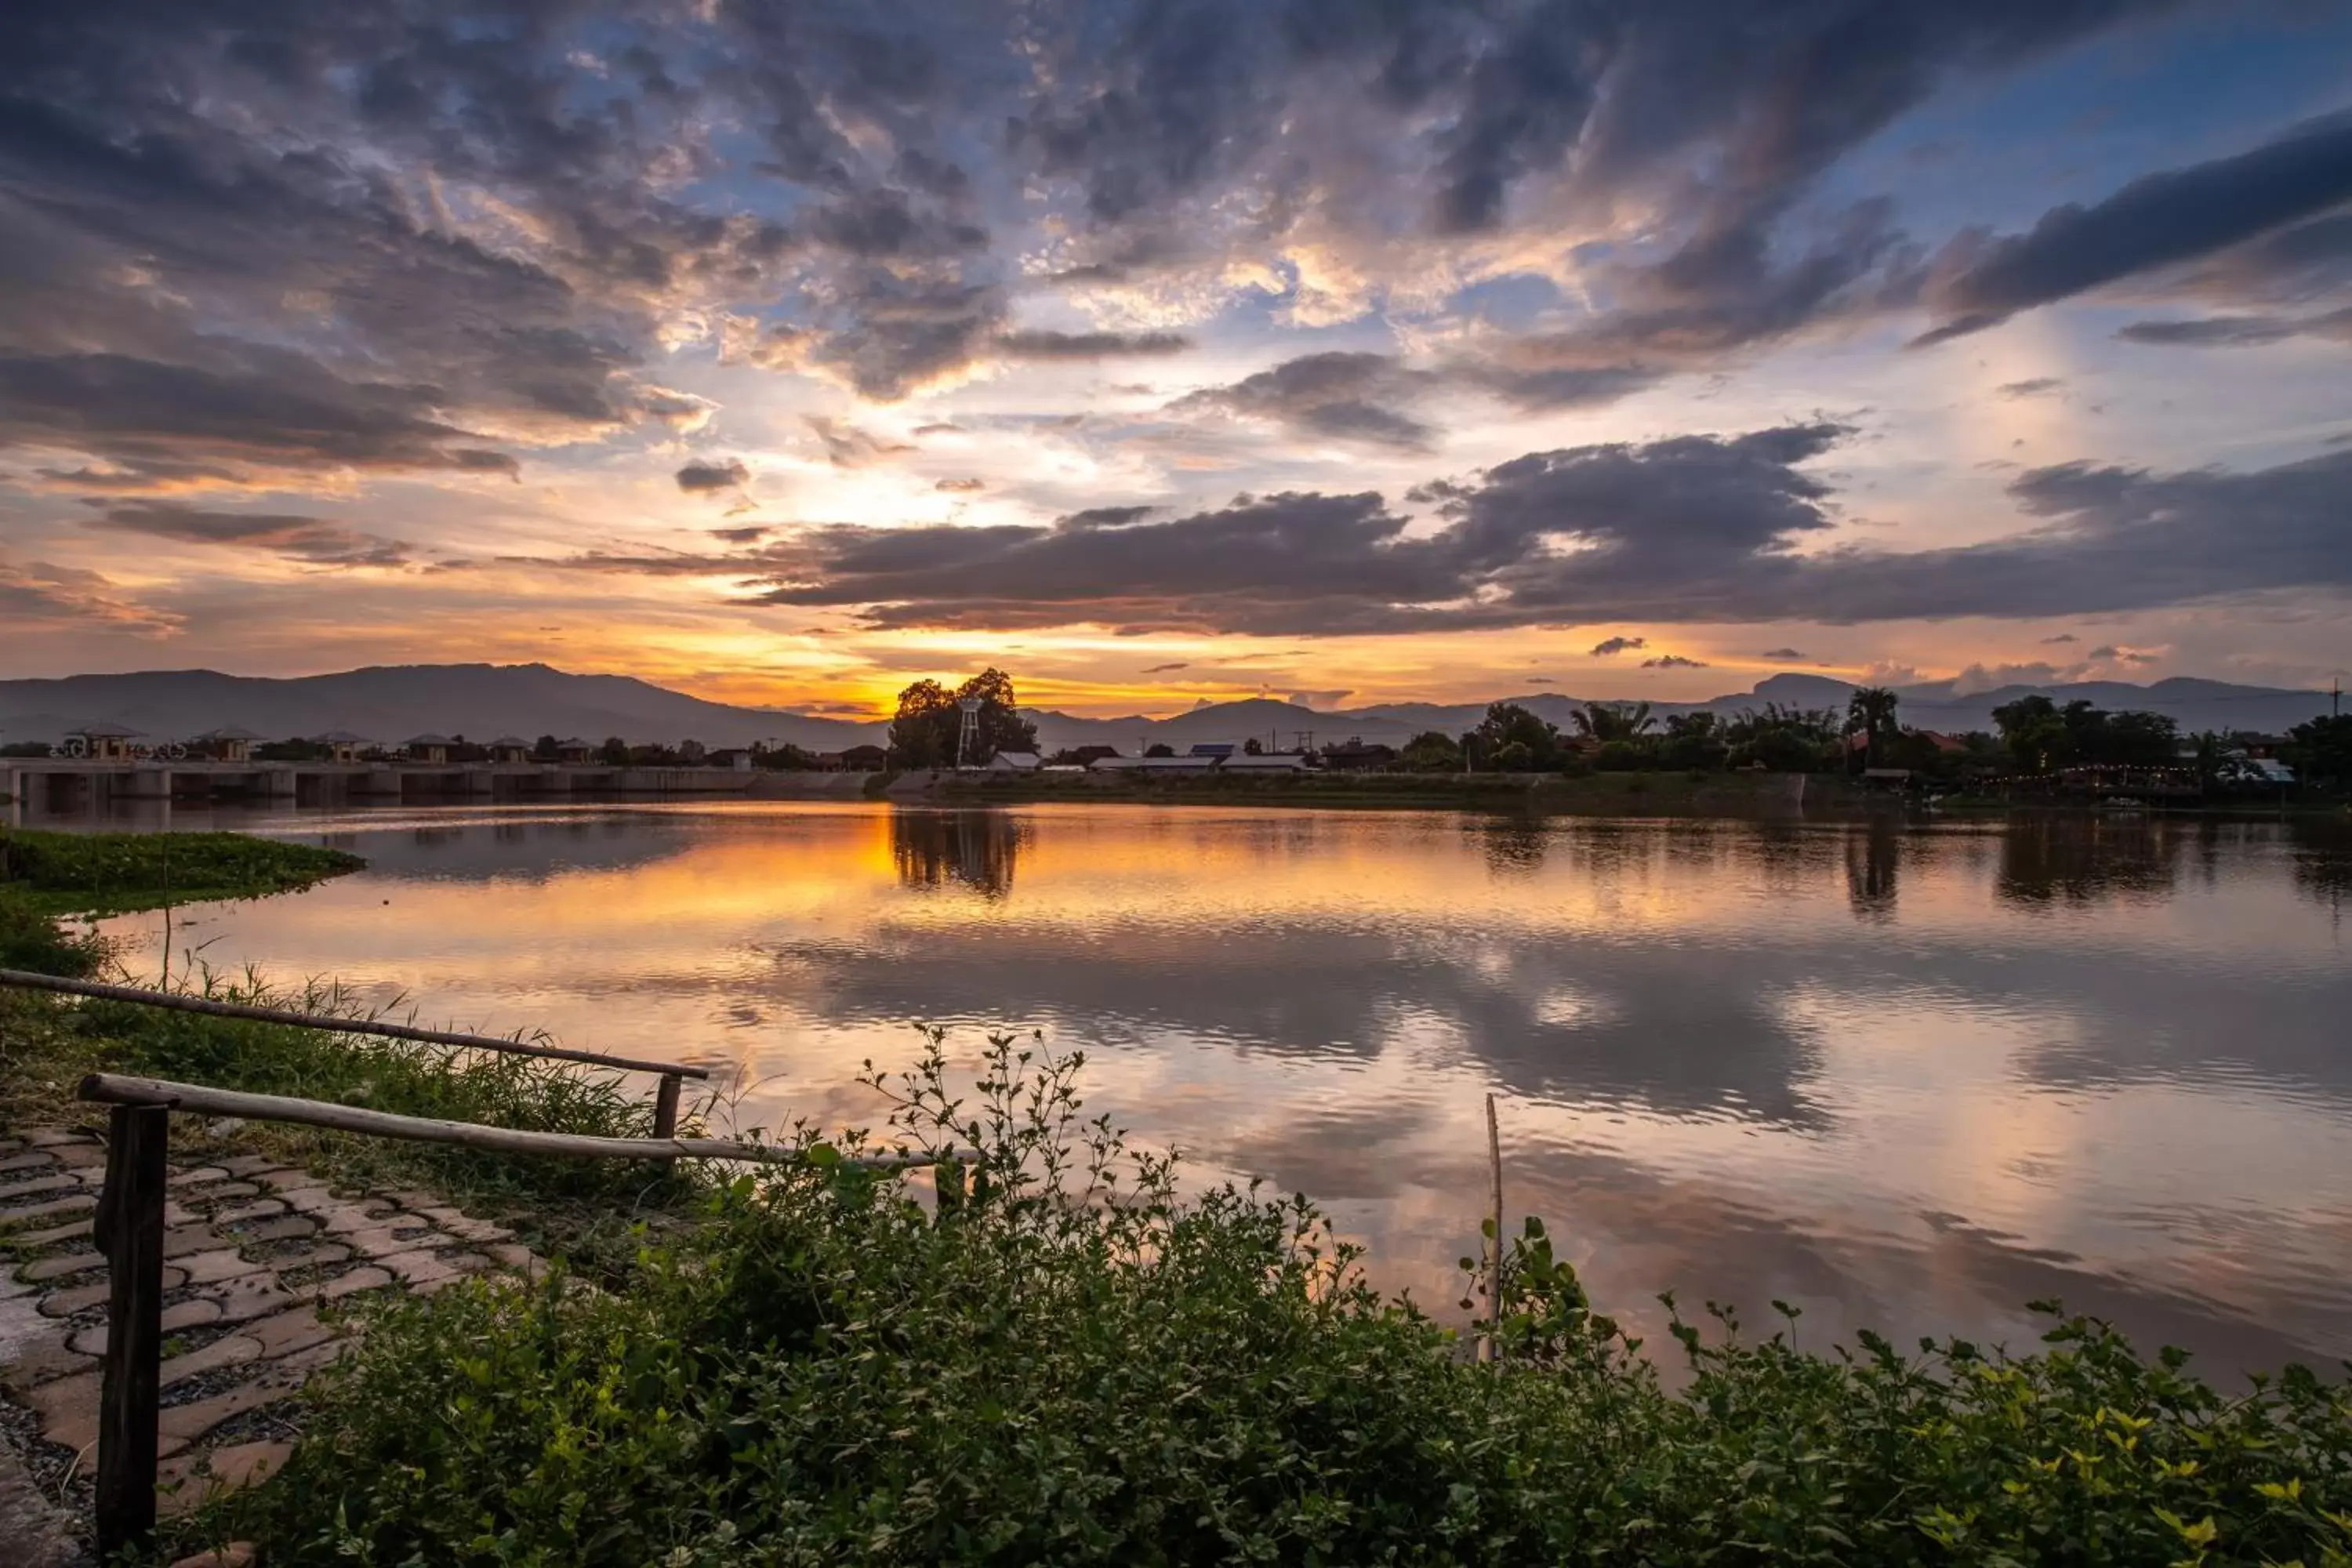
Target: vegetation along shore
(1074, 1355)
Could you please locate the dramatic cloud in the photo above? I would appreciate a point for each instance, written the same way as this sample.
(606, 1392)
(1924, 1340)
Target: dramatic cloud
(2038, 386)
(2158, 221)
(1339, 394)
(2240, 332)
(308, 540)
(1164, 668)
(37, 594)
(700, 477)
(1785, 654)
(1609, 646)
(1688, 529)
(1673, 661)
(847, 447)
(1089, 345)
(960, 487)
(2062, 637)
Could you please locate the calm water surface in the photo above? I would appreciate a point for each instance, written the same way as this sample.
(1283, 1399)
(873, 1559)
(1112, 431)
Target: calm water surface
(1903, 1077)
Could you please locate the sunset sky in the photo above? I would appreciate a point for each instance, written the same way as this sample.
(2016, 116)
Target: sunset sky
(1345, 350)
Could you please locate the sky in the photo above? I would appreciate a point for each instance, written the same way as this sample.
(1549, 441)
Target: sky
(1159, 352)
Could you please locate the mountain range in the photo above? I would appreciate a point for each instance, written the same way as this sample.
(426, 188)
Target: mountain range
(390, 703)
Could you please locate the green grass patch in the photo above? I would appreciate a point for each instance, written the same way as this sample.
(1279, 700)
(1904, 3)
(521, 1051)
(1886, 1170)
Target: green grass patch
(112, 873)
(1081, 1364)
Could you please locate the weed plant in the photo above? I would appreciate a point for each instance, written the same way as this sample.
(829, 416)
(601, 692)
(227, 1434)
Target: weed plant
(1071, 1359)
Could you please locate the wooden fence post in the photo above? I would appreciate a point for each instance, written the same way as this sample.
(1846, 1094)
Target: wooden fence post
(665, 1107)
(130, 1230)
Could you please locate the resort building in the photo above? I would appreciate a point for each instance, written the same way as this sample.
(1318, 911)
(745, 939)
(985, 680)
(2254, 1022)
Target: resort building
(229, 744)
(1012, 762)
(575, 752)
(510, 749)
(342, 746)
(103, 742)
(427, 748)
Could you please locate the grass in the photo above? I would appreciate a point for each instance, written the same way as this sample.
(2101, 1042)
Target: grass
(1078, 1363)
(113, 873)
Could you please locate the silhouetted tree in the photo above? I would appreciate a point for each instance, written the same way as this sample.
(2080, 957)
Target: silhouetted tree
(1612, 720)
(929, 722)
(1869, 713)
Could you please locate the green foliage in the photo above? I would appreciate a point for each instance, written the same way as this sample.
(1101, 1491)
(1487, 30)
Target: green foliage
(114, 871)
(929, 722)
(1073, 1362)
(1431, 752)
(1869, 713)
(2039, 735)
(30, 938)
(2320, 751)
(1513, 738)
(1607, 722)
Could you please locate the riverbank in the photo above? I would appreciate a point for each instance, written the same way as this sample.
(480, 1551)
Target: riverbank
(116, 873)
(1593, 794)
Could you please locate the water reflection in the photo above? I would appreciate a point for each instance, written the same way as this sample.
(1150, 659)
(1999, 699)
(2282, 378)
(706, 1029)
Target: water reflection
(1903, 1075)
(974, 849)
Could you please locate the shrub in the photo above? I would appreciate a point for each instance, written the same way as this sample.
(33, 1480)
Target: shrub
(1074, 1362)
(59, 871)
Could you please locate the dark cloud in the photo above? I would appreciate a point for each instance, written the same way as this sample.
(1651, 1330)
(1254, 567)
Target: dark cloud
(1693, 529)
(41, 593)
(703, 475)
(1673, 661)
(847, 447)
(1608, 646)
(1781, 653)
(1348, 395)
(2034, 388)
(960, 487)
(309, 540)
(2160, 220)
(1164, 668)
(1043, 346)
(749, 535)
(2062, 638)
(2240, 332)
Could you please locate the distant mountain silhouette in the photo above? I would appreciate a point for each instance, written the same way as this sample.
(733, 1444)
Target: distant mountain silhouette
(391, 702)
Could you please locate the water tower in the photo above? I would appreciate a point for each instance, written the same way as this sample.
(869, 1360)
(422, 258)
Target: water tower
(970, 731)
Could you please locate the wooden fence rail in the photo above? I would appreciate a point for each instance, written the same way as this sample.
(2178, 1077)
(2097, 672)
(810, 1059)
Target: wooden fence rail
(129, 1231)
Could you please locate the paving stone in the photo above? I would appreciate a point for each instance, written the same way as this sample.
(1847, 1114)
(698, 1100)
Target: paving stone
(57, 1208)
(30, 1160)
(421, 1267)
(65, 1303)
(195, 1176)
(463, 1227)
(288, 1332)
(219, 1190)
(325, 1252)
(285, 1177)
(343, 1285)
(272, 1382)
(250, 1167)
(197, 1313)
(57, 1137)
(382, 1241)
(248, 1297)
(187, 1238)
(221, 1263)
(37, 1358)
(244, 1214)
(284, 1228)
(66, 1231)
(79, 1156)
(344, 1216)
(60, 1265)
(198, 1476)
(26, 1187)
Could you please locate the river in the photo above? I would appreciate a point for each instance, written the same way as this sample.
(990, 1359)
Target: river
(1902, 1076)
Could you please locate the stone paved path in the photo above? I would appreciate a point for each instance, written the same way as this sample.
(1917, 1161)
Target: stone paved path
(252, 1250)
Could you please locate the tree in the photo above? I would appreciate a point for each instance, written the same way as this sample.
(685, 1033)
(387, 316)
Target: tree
(546, 750)
(1250, 747)
(1514, 757)
(929, 722)
(1694, 740)
(1159, 749)
(1611, 721)
(2320, 751)
(1869, 713)
(614, 753)
(2035, 732)
(1508, 724)
(1431, 752)
(2136, 740)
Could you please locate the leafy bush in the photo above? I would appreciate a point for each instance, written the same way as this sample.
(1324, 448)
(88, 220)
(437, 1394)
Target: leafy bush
(1074, 1363)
